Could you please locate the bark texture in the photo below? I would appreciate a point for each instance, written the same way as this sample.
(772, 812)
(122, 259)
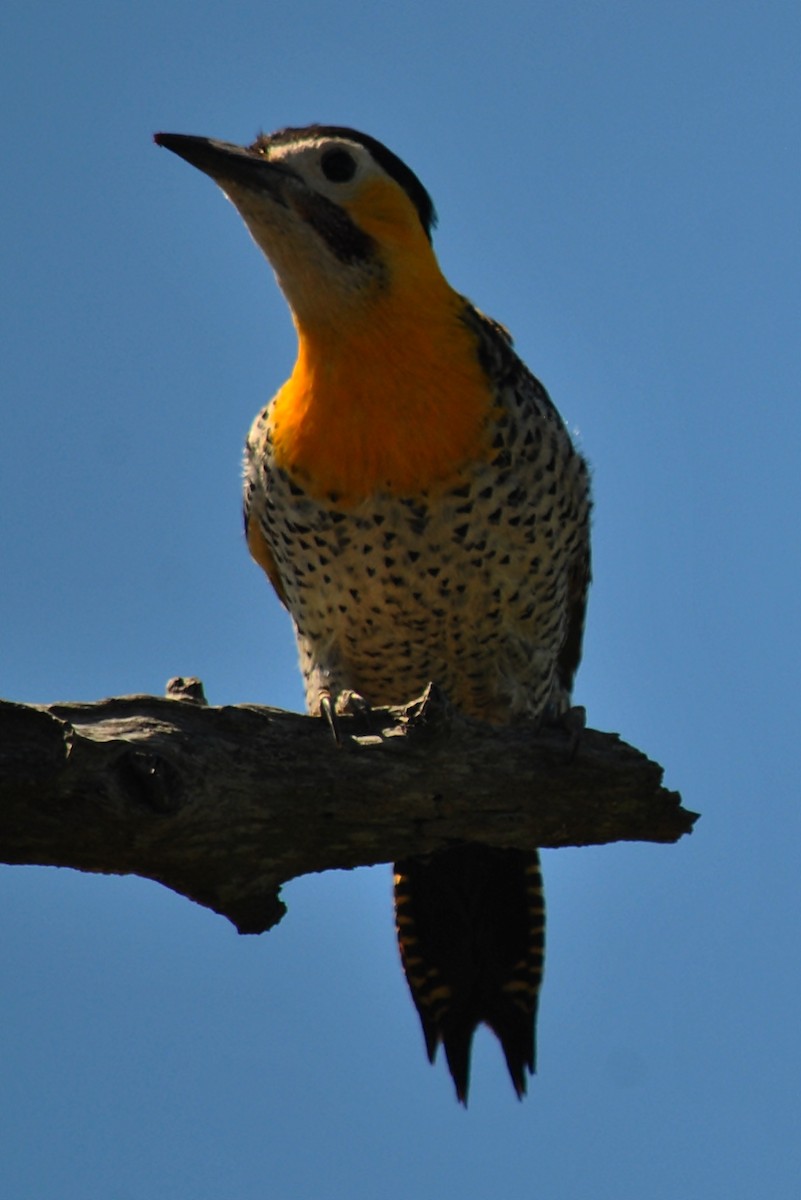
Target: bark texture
(225, 804)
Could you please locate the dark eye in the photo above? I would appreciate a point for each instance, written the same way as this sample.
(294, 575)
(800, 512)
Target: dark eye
(338, 165)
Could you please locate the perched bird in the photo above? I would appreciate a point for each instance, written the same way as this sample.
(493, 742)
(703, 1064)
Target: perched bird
(419, 507)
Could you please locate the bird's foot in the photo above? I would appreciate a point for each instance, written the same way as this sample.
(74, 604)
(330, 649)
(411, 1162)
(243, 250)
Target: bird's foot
(574, 721)
(346, 703)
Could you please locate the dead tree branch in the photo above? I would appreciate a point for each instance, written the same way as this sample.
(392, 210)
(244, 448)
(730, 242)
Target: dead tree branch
(225, 804)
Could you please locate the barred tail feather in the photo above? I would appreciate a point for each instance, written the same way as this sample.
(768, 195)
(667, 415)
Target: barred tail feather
(471, 931)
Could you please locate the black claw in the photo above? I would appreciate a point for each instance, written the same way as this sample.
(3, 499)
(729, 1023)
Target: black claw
(574, 721)
(327, 710)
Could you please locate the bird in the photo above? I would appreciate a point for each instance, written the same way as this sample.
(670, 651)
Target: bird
(421, 509)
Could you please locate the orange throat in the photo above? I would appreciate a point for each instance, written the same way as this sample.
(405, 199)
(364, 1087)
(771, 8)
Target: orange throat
(394, 403)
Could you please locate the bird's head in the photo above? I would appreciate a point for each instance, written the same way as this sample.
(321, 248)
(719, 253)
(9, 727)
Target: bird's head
(341, 218)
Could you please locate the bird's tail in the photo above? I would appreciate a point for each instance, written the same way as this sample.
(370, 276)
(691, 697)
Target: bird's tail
(471, 931)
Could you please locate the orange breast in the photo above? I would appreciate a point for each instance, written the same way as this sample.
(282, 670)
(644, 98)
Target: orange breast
(394, 400)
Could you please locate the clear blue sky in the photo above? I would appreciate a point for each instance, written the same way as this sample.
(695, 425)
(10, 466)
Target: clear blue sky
(619, 184)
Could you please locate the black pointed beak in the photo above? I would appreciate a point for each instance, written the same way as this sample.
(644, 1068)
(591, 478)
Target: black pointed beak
(226, 163)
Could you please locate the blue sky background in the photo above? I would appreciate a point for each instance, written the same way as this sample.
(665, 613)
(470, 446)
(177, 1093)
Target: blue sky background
(618, 182)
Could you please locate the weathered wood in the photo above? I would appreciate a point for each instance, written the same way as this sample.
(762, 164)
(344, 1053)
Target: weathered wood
(225, 804)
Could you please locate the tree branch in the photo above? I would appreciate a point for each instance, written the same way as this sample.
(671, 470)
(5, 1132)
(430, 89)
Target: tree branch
(225, 804)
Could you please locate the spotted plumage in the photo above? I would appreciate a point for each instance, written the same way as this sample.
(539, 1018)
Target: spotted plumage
(419, 506)
(463, 582)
